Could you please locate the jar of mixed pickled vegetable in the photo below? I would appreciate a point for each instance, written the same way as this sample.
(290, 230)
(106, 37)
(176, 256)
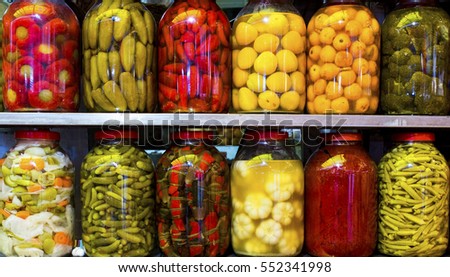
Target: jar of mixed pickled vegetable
(343, 59)
(41, 56)
(269, 58)
(118, 197)
(267, 196)
(413, 212)
(415, 58)
(341, 198)
(193, 197)
(36, 210)
(194, 58)
(4, 4)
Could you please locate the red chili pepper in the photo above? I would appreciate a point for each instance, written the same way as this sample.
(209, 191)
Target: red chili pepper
(194, 230)
(205, 64)
(193, 3)
(225, 102)
(188, 36)
(14, 95)
(189, 50)
(215, 56)
(43, 95)
(225, 56)
(168, 106)
(183, 90)
(193, 77)
(176, 32)
(162, 58)
(210, 44)
(177, 68)
(54, 27)
(69, 98)
(205, 86)
(205, 161)
(45, 53)
(175, 208)
(217, 91)
(225, 23)
(211, 221)
(180, 52)
(168, 92)
(201, 34)
(204, 4)
(199, 105)
(168, 78)
(211, 18)
(183, 28)
(26, 33)
(61, 73)
(169, 42)
(223, 37)
(69, 50)
(26, 70)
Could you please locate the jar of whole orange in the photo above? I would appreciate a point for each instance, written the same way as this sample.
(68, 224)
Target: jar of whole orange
(343, 59)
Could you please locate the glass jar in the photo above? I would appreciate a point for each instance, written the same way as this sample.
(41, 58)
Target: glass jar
(269, 59)
(194, 58)
(415, 58)
(267, 196)
(157, 7)
(118, 197)
(3, 7)
(341, 198)
(36, 210)
(41, 56)
(413, 212)
(193, 197)
(343, 59)
(119, 71)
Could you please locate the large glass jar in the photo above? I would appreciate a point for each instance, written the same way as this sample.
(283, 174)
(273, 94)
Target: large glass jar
(415, 59)
(341, 198)
(413, 212)
(3, 6)
(194, 58)
(36, 210)
(119, 54)
(343, 59)
(269, 58)
(267, 196)
(193, 197)
(118, 197)
(41, 56)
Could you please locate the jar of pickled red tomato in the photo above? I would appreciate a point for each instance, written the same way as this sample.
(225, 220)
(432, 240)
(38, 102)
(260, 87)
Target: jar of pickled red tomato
(194, 58)
(341, 198)
(415, 56)
(343, 59)
(414, 195)
(119, 70)
(117, 196)
(267, 196)
(269, 59)
(36, 207)
(41, 56)
(3, 7)
(193, 197)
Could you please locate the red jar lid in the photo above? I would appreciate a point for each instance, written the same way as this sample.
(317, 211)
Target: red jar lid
(184, 135)
(343, 137)
(414, 137)
(265, 135)
(37, 134)
(116, 134)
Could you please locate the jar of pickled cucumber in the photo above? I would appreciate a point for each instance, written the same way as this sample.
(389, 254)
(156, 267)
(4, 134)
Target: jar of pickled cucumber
(343, 59)
(267, 196)
(415, 58)
(41, 56)
(413, 212)
(4, 4)
(269, 58)
(118, 197)
(119, 57)
(193, 197)
(194, 58)
(36, 189)
(341, 198)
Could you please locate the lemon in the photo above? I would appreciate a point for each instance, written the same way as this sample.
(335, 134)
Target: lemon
(294, 42)
(297, 24)
(269, 100)
(248, 100)
(279, 82)
(256, 82)
(257, 20)
(321, 104)
(240, 77)
(340, 105)
(266, 63)
(290, 101)
(287, 61)
(266, 42)
(246, 58)
(277, 24)
(298, 82)
(245, 33)
(235, 99)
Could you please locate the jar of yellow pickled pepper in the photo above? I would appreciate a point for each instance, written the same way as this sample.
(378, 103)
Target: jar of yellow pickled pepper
(343, 59)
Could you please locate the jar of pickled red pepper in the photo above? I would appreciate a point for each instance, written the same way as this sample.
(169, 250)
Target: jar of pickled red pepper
(119, 70)
(3, 7)
(267, 196)
(41, 56)
(343, 59)
(415, 57)
(413, 212)
(118, 197)
(341, 198)
(194, 58)
(269, 59)
(193, 197)
(36, 207)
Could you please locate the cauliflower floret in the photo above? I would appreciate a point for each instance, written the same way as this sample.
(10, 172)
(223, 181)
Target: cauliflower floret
(290, 243)
(257, 206)
(242, 226)
(255, 247)
(283, 212)
(269, 231)
(298, 210)
(238, 206)
(280, 187)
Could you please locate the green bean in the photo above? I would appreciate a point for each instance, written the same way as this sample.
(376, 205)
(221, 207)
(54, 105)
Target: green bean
(110, 248)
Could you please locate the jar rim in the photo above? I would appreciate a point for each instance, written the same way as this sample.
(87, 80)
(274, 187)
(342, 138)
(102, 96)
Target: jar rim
(340, 137)
(116, 134)
(416, 136)
(37, 134)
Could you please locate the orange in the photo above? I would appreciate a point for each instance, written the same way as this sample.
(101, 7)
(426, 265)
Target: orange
(314, 73)
(367, 36)
(340, 105)
(372, 53)
(329, 70)
(360, 66)
(353, 28)
(320, 86)
(334, 90)
(373, 68)
(343, 59)
(327, 35)
(341, 42)
(364, 80)
(327, 54)
(314, 38)
(364, 18)
(314, 52)
(322, 104)
(346, 78)
(357, 49)
(353, 92)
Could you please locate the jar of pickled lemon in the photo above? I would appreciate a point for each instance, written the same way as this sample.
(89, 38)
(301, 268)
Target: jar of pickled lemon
(269, 59)
(343, 59)
(267, 196)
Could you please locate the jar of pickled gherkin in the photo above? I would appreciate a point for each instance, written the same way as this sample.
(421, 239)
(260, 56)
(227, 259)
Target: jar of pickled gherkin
(269, 58)
(413, 212)
(118, 197)
(4, 4)
(119, 68)
(194, 58)
(343, 59)
(415, 58)
(341, 198)
(36, 207)
(193, 197)
(41, 56)
(267, 196)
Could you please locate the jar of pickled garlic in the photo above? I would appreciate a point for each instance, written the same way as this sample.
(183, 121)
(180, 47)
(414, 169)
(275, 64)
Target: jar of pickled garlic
(415, 56)
(36, 207)
(119, 58)
(343, 59)
(41, 56)
(118, 197)
(267, 196)
(269, 59)
(193, 197)
(413, 213)
(194, 58)
(341, 198)
(3, 7)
